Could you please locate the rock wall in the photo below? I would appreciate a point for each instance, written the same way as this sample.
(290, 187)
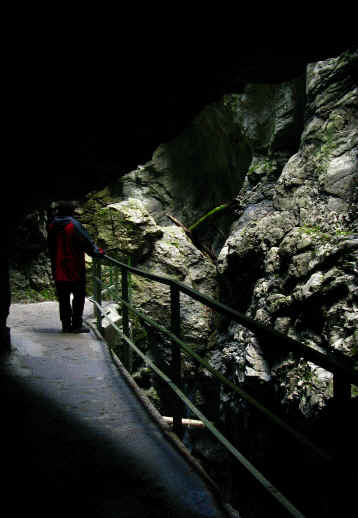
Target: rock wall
(126, 230)
(294, 244)
(290, 261)
(285, 254)
(187, 177)
(30, 270)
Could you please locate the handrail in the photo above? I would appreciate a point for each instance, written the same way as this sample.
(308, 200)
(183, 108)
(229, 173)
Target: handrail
(239, 456)
(325, 360)
(242, 393)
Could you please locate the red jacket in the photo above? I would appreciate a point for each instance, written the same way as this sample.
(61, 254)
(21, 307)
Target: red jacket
(68, 242)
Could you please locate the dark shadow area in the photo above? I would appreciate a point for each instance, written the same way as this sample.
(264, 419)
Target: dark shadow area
(55, 466)
(318, 488)
(78, 442)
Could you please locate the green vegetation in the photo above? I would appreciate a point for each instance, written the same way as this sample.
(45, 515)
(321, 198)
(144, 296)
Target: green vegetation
(315, 231)
(329, 138)
(210, 213)
(29, 295)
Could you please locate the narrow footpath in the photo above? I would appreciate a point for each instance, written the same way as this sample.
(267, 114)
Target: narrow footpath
(76, 440)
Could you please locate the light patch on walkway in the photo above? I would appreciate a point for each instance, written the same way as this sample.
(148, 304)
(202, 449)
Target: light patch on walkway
(24, 344)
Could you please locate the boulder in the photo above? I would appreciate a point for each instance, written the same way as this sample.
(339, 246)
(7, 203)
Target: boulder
(128, 228)
(174, 255)
(341, 173)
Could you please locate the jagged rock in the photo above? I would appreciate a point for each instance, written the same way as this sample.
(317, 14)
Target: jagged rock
(172, 255)
(176, 179)
(304, 385)
(297, 259)
(340, 175)
(255, 238)
(127, 227)
(277, 302)
(297, 241)
(30, 269)
(175, 256)
(257, 366)
(272, 260)
(270, 115)
(327, 160)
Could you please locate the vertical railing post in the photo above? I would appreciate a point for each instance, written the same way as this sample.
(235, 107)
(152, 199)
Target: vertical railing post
(111, 274)
(115, 280)
(98, 291)
(125, 320)
(176, 358)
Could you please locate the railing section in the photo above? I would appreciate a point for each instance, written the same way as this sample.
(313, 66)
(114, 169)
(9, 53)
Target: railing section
(343, 373)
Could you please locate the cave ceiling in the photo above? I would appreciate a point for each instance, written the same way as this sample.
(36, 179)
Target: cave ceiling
(80, 127)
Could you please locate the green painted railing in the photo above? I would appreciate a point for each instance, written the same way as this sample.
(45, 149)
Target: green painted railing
(343, 372)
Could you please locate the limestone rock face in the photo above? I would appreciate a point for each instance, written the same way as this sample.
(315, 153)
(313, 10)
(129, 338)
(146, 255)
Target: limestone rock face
(30, 268)
(320, 180)
(189, 176)
(269, 114)
(127, 227)
(286, 251)
(195, 172)
(270, 117)
(293, 251)
(175, 256)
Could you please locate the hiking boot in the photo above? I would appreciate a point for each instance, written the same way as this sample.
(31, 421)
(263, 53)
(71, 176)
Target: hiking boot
(66, 329)
(80, 329)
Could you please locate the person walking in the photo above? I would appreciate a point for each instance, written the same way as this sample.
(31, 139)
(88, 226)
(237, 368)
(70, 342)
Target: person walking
(68, 241)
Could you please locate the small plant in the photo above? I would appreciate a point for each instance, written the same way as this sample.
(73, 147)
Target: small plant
(316, 231)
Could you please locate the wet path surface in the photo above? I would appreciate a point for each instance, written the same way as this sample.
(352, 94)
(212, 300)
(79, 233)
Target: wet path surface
(77, 441)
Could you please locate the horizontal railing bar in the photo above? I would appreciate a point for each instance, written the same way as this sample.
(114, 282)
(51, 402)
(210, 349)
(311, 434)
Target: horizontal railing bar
(323, 359)
(299, 436)
(108, 288)
(242, 393)
(241, 458)
(142, 273)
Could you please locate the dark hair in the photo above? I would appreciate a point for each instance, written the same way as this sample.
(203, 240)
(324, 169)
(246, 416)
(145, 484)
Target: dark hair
(65, 208)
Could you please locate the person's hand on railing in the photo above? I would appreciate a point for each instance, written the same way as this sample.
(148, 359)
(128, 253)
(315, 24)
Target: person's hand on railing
(100, 253)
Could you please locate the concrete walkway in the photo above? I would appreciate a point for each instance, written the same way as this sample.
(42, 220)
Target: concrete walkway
(78, 442)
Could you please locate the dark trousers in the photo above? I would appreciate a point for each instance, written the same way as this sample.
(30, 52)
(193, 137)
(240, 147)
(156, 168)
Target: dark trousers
(71, 315)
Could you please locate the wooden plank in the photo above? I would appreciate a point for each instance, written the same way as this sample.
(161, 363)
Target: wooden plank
(190, 423)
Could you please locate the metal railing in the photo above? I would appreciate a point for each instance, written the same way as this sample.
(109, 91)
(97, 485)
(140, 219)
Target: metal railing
(343, 372)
